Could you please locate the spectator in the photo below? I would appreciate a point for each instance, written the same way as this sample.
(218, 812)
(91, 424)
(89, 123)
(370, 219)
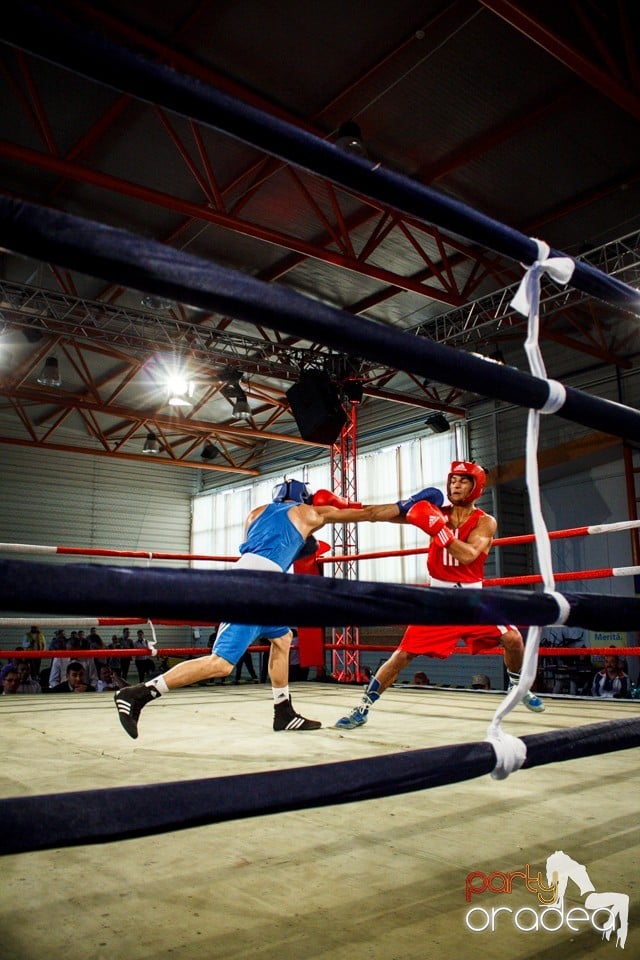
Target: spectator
(27, 683)
(246, 661)
(480, 681)
(95, 643)
(10, 681)
(109, 680)
(144, 663)
(95, 640)
(34, 640)
(612, 681)
(59, 641)
(59, 667)
(76, 681)
(125, 643)
(420, 679)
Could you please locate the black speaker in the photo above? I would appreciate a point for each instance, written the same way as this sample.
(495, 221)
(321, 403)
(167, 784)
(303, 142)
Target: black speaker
(315, 404)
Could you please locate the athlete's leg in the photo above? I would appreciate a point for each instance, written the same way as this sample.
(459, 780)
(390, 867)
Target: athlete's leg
(284, 715)
(513, 645)
(386, 675)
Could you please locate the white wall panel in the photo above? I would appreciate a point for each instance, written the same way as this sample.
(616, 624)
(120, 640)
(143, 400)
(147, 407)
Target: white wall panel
(60, 499)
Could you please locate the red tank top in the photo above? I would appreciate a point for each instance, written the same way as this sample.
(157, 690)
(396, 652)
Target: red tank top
(443, 566)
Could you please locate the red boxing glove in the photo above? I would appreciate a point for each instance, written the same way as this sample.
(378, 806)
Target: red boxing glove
(429, 518)
(325, 498)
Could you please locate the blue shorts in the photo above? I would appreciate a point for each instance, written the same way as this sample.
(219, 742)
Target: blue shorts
(233, 639)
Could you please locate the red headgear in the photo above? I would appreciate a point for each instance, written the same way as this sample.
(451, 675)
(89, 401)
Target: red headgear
(468, 469)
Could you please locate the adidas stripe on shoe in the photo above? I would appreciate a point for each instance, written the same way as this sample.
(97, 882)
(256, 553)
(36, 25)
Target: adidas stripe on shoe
(286, 718)
(129, 702)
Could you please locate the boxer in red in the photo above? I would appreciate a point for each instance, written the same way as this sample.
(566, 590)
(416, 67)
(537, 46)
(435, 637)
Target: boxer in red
(461, 538)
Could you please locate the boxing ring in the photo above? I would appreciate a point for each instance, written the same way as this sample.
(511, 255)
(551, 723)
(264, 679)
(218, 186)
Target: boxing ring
(379, 771)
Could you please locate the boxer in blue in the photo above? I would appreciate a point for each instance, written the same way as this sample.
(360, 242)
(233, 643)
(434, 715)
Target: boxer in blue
(275, 535)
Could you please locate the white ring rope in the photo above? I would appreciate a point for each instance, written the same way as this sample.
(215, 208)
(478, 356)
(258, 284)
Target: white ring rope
(527, 302)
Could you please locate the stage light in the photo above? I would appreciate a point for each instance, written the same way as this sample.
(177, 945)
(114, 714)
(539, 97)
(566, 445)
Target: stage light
(209, 451)
(353, 391)
(49, 376)
(151, 444)
(437, 423)
(349, 138)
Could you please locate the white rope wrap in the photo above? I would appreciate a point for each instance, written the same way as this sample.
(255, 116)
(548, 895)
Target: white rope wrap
(557, 396)
(564, 609)
(559, 269)
(153, 643)
(527, 302)
(511, 752)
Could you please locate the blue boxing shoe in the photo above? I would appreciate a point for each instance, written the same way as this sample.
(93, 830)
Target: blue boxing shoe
(360, 714)
(530, 700)
(357, 718)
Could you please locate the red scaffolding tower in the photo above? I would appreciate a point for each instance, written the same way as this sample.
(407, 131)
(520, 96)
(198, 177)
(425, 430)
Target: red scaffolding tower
(344, 482)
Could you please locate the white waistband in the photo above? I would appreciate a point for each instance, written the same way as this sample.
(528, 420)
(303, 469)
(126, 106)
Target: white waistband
(255, 562)
(472, 585)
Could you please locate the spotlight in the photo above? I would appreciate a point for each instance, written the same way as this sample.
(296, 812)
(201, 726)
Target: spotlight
(49, 376)
(179, 391)
(209, 451)
(437, 423)
(353, 391)
(241, 409)
(151, 444)
(156, 303)
(349, 138)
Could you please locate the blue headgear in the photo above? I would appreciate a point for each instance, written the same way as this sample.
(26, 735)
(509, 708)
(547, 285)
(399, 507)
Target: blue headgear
(292, 490)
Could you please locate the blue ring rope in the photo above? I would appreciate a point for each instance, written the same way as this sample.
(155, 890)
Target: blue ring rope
(63, 42)
(118, 256)
(241, 596)
(120, 813)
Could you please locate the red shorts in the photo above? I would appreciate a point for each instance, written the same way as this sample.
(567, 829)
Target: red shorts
(442, 641)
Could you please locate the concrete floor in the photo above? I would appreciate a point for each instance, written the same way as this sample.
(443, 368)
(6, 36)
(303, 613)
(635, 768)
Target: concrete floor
(378, 879)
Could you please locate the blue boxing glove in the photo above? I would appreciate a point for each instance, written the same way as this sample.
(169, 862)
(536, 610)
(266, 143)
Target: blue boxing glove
(432, 494)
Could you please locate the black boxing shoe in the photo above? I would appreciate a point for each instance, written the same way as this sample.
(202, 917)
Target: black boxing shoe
(285, 718)
(129, 702)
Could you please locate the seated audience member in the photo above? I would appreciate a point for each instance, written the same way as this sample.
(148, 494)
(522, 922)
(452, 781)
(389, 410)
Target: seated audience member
(27, 684)
(420, 679)
(480, 681)
(76, 681)
(58, 671)
(611, 681)
(109, 680)
(10, 681)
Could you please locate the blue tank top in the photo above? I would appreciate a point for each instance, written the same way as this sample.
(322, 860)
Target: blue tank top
(272, 535)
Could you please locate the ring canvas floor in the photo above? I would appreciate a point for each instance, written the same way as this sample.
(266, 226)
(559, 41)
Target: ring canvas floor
(377, 880)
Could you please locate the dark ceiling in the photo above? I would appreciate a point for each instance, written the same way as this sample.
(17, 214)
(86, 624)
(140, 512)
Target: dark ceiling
(526, 112)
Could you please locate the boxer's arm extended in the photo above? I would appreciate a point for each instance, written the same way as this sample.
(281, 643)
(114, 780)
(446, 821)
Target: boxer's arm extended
(327, 502)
